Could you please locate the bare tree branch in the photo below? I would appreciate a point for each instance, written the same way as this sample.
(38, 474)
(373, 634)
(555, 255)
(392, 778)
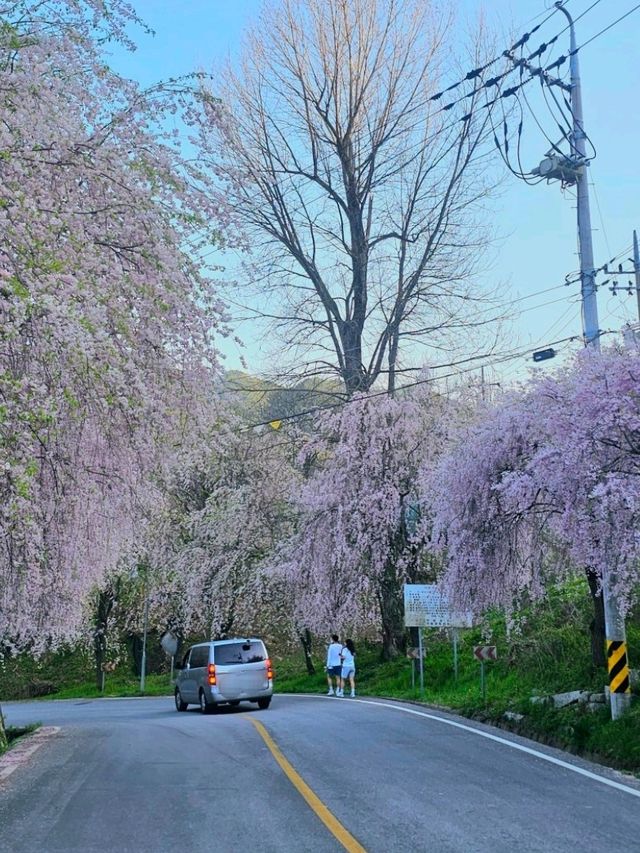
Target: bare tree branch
(346, 171)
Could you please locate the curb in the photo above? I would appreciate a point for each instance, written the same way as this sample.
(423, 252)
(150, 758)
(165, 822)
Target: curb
(20, 754)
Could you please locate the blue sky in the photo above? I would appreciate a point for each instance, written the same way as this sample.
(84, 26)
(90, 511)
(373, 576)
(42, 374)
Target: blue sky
(538, 247)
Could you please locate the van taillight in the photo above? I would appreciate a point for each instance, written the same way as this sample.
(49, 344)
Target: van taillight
(269, 669)
(212, 673)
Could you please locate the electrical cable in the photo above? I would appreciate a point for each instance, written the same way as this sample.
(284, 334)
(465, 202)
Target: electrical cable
(571, 278)
(548, 84)
(604, 228)
(606, 29)
(563, 58)
(524, 38)
(415, 384)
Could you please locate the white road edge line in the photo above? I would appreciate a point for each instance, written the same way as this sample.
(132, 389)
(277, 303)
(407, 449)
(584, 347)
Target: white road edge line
(512, 744)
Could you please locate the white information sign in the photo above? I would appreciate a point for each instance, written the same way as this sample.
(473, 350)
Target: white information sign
(426, 607)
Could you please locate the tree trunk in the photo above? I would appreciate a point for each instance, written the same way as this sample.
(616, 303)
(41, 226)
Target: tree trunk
(106, 600)
(391, 613)
(305, 639)
(3, 734)
(354, 375)
(597, 626)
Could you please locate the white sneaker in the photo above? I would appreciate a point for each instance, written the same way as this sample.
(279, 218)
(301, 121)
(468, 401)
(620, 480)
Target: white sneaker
(331, 693)
(353, 693)
(339, 693)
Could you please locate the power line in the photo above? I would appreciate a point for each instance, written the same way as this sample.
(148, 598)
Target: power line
(418, 382)
(606, 29)
(563, 58)
(570, 279)
(476, 72)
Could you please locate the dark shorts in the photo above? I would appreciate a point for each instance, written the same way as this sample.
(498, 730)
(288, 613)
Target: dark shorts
(335, 670)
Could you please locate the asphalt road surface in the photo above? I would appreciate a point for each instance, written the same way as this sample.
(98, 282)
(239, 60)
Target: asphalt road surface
(312, 774)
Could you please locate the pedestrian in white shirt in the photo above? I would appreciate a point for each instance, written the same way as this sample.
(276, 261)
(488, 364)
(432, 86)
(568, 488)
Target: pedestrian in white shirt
(334, 664)
(348, 667)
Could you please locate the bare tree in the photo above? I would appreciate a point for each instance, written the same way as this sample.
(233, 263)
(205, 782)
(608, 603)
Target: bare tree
(362, 195)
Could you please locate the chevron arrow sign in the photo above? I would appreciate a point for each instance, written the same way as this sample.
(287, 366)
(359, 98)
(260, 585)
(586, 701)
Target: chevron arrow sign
(485, 652)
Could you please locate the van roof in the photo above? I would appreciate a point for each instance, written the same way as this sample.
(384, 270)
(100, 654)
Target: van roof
(231, 640)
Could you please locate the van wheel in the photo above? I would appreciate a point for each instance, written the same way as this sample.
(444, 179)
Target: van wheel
(263, 704)
(180, 705)
(205, 707)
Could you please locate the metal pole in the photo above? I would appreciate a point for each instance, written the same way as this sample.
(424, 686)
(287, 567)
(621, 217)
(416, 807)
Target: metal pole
(578, 144)
(143, 666)
(455, 654)
(614, 623)
(421, 661)
(482, 682)
(173, 657)
(636, 267)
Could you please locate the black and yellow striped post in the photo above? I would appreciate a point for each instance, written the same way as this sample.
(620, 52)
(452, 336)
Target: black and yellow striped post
(616, 648)
(618, 665)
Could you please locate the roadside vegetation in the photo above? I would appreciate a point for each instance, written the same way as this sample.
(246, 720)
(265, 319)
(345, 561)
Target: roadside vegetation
(545, 652)
(15, 733)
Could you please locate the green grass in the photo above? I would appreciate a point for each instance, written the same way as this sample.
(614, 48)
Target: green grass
(116, 684)
(69, 674)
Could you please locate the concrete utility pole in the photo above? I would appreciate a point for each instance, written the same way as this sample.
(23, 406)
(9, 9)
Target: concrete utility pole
(591, 328)
(617, 660)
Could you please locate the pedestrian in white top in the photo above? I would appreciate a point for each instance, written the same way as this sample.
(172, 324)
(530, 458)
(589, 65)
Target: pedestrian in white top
(334, 664)
(348, 667)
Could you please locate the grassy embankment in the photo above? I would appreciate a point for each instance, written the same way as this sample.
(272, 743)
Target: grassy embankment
(549, 654)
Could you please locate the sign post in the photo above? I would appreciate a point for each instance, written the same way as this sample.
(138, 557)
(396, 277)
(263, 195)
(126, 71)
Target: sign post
(415, 653)
(455, 653)
(484, 653)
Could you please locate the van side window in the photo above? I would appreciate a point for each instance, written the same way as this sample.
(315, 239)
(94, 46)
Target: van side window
(199, 656)
(185, 659)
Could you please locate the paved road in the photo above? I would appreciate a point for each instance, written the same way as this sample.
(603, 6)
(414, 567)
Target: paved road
(134, 775)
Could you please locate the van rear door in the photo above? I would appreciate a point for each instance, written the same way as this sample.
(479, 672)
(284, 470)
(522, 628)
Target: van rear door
(197, 672)
(241, 669)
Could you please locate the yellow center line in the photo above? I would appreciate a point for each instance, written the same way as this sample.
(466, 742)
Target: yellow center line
(332, 823)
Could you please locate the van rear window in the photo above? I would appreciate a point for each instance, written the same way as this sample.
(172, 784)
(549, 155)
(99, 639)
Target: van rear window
(231, 653)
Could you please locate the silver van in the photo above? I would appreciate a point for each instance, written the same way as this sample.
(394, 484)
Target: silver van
(224, 672)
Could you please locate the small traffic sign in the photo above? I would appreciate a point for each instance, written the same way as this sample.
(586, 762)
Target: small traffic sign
(485, 652)
(169, 643)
